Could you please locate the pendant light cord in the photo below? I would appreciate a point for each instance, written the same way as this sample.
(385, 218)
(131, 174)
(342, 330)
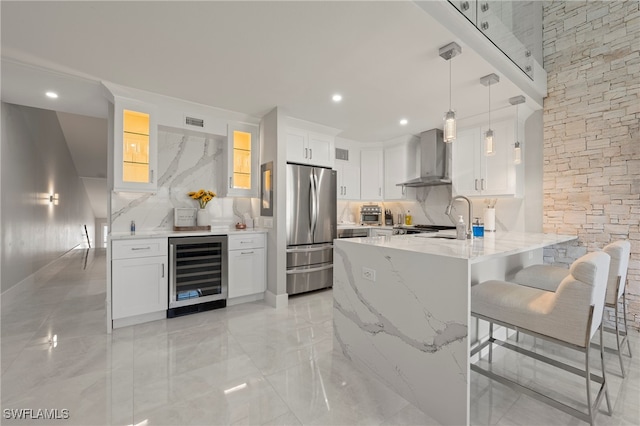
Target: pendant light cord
(489, 105)
(450, 84)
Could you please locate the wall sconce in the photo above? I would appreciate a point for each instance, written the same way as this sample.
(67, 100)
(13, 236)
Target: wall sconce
(53, 199)
(517, 150)
(489, 143)
(447, 53)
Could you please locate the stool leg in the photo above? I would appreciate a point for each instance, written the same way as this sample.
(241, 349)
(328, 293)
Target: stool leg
(588, 380)
(626, 324)
(617, 339)
(604, 378)
(491, 340)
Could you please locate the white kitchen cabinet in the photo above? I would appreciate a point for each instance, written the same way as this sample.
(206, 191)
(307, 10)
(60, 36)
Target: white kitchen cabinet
(247, 265)
(311, 148)
(371, 174)
(243, 159)
(474, 173)
(400, 165)
(139, 277)
(348, 176)
(135, 150)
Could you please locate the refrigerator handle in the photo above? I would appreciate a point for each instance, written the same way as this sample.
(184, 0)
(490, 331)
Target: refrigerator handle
(314, 203)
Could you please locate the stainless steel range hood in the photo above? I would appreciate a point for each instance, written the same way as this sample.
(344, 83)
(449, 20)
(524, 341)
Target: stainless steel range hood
(434, 160)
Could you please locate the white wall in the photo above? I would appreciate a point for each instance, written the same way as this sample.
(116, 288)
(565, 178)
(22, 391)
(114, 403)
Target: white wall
(271, 150)
(35, 163)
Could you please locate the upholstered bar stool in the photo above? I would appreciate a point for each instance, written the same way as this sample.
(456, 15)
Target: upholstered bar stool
(569, 316)
(548, 277)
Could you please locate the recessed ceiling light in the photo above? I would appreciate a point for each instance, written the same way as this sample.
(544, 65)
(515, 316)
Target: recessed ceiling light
(52, 95)
(403, 122)
(337, 97)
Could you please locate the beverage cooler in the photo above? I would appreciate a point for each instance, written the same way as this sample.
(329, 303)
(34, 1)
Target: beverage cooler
(197, 274)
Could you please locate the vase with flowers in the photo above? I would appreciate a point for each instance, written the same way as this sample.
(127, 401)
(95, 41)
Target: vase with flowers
(203, 197)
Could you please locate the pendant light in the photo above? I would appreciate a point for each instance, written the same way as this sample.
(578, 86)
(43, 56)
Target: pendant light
(449, 132)
(517, 149)
(489, 136)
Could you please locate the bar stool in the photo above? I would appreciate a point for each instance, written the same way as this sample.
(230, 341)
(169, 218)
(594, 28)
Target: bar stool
(569, 316)
(547, 277)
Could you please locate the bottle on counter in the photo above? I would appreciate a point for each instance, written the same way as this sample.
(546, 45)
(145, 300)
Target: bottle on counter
(461, 229)
(408, 219)
(478, 228)
(133, 227)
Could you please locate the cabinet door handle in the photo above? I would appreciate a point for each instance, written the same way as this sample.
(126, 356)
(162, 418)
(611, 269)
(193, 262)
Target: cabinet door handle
(476, 184)
(163, 270)
(345, 190)
(140, 248)
(404, 188)
(310, 153)
(482, 184)
(306, 153)
(230, 181)
(246, 242)
(246, 252)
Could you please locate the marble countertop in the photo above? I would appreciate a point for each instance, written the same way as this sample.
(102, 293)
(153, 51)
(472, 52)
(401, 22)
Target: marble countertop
(170, 233)
(492, 245)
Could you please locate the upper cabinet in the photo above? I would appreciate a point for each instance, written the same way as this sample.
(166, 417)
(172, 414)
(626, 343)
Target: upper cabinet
(476, 174)
(135, 146)
(311, 148)
(371, 174)
(400, 166)
(242, 160)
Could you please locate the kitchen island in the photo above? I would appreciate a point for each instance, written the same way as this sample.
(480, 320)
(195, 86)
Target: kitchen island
(402, 309)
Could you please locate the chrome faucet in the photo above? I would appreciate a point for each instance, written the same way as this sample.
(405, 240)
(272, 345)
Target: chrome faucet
(448, 212)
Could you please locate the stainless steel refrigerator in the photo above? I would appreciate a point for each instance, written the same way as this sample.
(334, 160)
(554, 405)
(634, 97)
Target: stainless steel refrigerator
(311, 227)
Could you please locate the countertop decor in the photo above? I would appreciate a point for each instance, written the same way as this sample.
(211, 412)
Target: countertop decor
(202, 196)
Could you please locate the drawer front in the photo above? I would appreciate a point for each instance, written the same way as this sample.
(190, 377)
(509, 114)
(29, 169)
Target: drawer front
(128, 249)
(239, 242)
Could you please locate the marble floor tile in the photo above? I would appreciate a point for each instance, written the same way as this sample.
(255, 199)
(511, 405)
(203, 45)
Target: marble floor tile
(247, 364)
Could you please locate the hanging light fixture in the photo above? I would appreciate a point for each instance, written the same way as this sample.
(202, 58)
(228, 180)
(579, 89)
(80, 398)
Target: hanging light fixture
(447, 52)
(489, 142)
(517, 149)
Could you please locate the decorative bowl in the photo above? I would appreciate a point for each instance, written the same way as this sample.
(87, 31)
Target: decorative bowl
(241, 226)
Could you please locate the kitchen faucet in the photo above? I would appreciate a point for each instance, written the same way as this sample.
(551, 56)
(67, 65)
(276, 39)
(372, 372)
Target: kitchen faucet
(448, 212)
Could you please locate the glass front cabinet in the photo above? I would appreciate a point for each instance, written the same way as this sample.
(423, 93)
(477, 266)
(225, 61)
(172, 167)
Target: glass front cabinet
(242, 162)
(135, 146)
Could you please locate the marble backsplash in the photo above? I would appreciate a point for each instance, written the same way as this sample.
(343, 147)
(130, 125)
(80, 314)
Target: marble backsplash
(186, 162)
(429, 206)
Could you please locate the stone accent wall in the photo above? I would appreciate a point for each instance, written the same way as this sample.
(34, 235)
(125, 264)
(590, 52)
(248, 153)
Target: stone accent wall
(592, 130)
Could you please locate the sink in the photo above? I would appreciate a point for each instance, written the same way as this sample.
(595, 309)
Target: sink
(436, 236)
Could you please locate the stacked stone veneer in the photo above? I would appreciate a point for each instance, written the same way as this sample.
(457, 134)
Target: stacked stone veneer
(591, 130)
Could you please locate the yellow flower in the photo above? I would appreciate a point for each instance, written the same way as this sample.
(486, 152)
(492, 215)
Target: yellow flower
(202, 196)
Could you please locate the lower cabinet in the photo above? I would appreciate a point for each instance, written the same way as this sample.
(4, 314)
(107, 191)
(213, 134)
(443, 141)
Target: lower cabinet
(139, 277)
(247, 265)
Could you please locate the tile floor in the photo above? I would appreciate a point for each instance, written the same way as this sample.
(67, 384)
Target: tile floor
(246, 364)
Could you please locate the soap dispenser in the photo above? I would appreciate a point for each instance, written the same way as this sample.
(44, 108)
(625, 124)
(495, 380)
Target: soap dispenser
(461, 229)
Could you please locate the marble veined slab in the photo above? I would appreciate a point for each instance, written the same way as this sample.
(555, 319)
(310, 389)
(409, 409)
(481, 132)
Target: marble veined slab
(402, 316)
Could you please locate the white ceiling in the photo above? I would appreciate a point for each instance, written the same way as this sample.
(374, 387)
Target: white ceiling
(244, 56)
